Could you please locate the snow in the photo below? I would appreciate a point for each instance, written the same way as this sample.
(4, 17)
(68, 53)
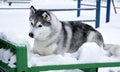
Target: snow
(15, 27)
(90, 55)
(1, 53)
(12, 62)
(6, 56)
(51, 60)
(114, 69)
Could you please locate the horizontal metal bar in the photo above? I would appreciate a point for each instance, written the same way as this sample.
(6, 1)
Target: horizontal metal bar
(87, 20)
(74, 66)
(81, 20)
(13, 8)
(92, 5)
(71, 9)
(54, 9)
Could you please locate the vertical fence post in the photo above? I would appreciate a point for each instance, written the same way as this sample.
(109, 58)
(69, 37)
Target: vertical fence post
(21, 55)
(98, 4)
(78, 6)
(108, 11)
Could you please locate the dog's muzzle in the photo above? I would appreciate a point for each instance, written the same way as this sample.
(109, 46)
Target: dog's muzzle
(31, 35)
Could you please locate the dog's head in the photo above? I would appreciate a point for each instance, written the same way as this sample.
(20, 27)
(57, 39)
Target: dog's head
(40, 23)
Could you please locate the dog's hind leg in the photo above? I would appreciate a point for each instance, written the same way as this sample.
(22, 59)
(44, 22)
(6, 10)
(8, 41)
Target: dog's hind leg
(96, 37)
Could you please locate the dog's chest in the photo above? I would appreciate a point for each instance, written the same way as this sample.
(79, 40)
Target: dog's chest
(45, 50)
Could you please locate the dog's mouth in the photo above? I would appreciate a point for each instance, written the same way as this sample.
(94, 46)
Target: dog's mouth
(31, 35)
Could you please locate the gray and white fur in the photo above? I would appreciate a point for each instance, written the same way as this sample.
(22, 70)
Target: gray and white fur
(52, 36)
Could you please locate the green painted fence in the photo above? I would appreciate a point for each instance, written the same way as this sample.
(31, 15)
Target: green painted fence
(22, 66)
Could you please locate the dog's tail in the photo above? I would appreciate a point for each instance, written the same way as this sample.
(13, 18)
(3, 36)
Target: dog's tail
(113, 49)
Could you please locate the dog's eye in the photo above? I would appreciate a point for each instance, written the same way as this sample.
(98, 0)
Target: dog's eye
(39, 25)
(32, 24)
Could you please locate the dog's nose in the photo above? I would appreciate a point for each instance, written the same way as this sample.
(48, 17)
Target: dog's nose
(31, 35)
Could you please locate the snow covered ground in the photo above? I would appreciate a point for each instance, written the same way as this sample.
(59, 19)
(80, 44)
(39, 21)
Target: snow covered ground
(15, 24)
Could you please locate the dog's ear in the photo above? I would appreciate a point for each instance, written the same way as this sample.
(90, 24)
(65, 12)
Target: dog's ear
(32, 10)
(46, 16)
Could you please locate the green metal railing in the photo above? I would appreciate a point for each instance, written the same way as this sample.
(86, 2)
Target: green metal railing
(22, 66)
(21, 56)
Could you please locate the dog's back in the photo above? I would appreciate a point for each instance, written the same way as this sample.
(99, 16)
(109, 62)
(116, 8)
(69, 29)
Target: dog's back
(81, 33)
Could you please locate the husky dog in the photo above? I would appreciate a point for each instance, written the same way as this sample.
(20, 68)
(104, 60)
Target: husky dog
(52, 36)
